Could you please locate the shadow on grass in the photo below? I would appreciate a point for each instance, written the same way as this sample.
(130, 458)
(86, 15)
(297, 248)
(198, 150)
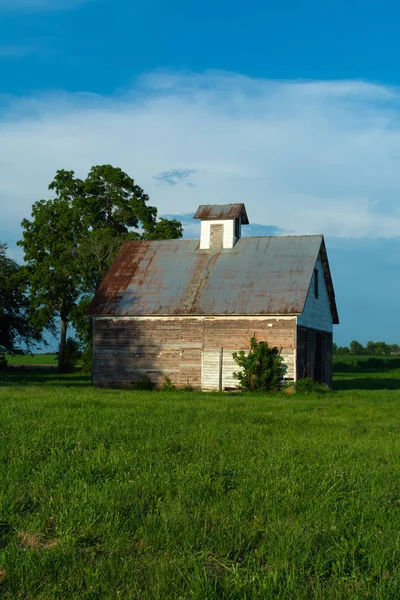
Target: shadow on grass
(43, 377)
(366, 383)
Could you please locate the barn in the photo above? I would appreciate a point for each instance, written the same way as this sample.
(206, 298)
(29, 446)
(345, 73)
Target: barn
(180, 308)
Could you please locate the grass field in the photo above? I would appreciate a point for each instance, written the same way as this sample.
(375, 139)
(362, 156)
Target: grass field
(366, 372)
(151, 495)
(32, 359)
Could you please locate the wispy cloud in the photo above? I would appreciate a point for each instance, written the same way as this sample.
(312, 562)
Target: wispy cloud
(319, 157)
(176, 176)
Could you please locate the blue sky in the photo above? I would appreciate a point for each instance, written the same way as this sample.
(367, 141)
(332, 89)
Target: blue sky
(291, 107)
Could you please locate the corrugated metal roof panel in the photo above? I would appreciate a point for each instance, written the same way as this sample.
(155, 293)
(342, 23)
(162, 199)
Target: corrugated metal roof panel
(259, 275)
(208, 212)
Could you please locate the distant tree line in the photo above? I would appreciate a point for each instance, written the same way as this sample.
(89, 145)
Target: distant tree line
(69, 244)
(370, 349)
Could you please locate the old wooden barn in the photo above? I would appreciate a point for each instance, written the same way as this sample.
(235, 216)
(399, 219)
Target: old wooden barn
(179, 308)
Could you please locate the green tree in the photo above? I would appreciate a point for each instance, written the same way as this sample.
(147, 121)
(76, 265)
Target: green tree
(370, 348)
(356, 348)
(72, 239)
(262, 368)
(50, 241)
(343, 350)
(94, 255)
(382, 349)
(84, 330)
(16, 327)
(111, 200)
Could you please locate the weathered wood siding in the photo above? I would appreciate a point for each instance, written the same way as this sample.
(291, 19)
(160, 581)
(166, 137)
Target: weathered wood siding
(190, 351)
(125, 350)
(317, 311)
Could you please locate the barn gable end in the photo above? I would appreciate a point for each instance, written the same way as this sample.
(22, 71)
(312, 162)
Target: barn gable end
(317, 313)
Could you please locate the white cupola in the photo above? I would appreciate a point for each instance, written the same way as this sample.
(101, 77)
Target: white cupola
(221, 225)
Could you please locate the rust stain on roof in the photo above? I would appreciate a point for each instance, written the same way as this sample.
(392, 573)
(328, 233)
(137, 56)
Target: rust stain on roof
(190, 303)
(119, 276)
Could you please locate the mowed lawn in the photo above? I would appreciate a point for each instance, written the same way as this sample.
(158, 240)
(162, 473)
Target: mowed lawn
(158, 495)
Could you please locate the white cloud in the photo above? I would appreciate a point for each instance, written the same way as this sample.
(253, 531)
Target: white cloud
(308, 157)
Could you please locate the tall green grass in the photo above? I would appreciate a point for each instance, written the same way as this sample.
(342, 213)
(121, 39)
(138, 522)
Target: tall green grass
(113, 494)
(366, 372)
(365, 364)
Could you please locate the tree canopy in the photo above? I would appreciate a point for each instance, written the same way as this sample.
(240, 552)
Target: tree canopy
(370, 349)
(50, 241)
(15, 325)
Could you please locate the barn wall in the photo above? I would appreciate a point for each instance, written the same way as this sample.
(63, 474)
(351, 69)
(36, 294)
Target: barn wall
(317, 311)
(126, 349)
(188, 350)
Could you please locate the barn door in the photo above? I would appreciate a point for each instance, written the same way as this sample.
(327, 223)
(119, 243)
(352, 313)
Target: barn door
(212, 369)
(314, 355)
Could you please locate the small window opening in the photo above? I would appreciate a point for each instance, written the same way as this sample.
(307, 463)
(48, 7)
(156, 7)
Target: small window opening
(316, 290)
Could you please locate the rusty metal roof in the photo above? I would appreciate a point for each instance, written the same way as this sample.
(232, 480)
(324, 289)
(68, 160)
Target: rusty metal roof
(259, 275)
(208, 212)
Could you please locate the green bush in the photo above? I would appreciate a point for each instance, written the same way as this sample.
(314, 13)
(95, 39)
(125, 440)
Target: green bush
(308, 385)
(168, 386)
(145, 383)
(262, 368)
(86, 358)
(3, 361)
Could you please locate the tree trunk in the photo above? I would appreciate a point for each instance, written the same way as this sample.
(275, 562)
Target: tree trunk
(61, 350)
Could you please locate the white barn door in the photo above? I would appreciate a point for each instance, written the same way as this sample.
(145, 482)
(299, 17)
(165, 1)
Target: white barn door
(212, 369)
(217, 369)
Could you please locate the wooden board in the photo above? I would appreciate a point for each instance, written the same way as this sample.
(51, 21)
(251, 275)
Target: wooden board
(186, 350)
